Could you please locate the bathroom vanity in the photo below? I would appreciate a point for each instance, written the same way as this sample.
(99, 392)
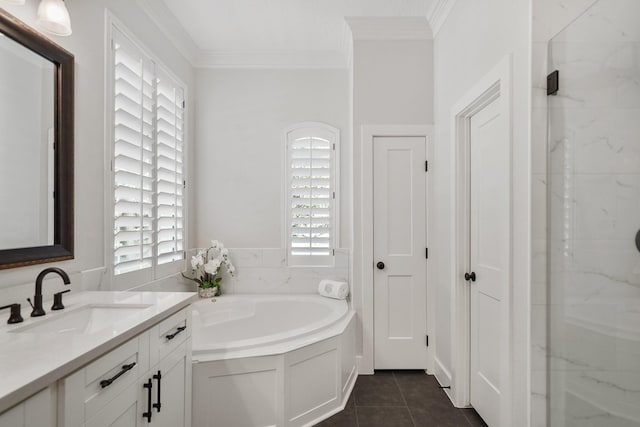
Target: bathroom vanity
(108, 358)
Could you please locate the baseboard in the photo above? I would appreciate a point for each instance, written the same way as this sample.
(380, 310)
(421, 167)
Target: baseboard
(444, 377)
(442, 374)
(363, 365)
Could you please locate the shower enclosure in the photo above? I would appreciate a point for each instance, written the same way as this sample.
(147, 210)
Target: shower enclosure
(594, 219)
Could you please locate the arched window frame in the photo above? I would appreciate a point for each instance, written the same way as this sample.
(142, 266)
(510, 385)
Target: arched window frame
(320, 252)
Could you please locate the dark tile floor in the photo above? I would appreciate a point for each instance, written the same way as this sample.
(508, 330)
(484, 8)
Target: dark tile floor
(399, 399)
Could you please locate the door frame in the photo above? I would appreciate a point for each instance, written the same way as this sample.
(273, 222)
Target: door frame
(496, 85)
(369, 132)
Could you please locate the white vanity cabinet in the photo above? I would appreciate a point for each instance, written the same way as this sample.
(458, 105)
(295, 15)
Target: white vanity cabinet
(83, 394)
(144, 382)
(37, 411)
(171, 371)
(155, 399)
(172, 389)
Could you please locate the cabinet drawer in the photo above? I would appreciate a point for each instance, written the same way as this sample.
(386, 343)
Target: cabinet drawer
(169, 334)
(125, 409)
(85, 392)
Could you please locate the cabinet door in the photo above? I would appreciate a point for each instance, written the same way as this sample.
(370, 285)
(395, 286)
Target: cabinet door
(37, 411)
(174, 384)
(125, 410)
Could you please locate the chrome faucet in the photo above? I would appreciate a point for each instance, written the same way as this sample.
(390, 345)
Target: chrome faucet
(37, 298)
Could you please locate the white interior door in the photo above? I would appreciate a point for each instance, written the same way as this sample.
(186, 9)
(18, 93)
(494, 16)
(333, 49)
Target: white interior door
(489, 229)
(399, 224)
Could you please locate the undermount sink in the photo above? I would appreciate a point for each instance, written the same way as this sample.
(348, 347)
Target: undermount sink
(84, 320)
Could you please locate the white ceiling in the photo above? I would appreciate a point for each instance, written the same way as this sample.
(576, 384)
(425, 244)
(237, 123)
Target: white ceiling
(281, 25)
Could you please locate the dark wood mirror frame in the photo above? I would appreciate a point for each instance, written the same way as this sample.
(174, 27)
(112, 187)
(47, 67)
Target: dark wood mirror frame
(63, 62)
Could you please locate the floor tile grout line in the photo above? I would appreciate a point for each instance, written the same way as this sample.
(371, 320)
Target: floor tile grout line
(467, 418)
(383, 406)
(355, 408)
(355, 403)
(404, 400)
(464, 415)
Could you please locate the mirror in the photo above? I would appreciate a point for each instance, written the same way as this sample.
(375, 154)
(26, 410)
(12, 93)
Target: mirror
(26, 198)
(36, 147)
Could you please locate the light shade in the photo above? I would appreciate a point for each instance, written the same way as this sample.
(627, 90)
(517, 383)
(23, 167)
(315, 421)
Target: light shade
(53, 17)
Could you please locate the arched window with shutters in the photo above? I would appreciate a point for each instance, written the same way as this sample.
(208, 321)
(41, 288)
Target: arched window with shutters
(311, 179)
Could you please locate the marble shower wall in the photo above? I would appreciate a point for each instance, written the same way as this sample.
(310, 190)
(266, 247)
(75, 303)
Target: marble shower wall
(593, 356)
(549, 18)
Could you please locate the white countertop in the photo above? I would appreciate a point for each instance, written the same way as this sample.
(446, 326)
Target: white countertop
(31, 361)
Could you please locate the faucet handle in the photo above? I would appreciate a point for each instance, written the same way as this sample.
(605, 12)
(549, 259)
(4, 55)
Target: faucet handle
(15, 316)
(36, 305)
(57, 300)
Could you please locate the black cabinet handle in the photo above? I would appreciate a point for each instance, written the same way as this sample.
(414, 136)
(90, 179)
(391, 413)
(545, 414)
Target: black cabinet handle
(173, 335)
(125, 368)
(148, 385)
(471, 276)
(158, 377)
(380, 265)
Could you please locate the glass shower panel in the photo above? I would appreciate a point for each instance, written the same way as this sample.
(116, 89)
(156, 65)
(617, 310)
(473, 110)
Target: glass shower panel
(594, 216)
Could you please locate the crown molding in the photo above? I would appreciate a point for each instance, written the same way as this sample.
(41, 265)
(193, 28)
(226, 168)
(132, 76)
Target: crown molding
(163, 19)
(347, 45)
(438, 14)
(389, 28)
(270, 59)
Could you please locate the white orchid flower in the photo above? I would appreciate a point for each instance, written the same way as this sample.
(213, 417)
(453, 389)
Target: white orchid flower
(196, 262)
(212, 266)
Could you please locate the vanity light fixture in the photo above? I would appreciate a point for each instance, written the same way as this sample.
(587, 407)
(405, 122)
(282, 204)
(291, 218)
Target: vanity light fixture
(53, 17)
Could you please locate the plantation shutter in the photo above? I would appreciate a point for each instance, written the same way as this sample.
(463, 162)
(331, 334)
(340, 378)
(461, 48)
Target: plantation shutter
(148, 167)
(311, 159)
(170, 181)
(133, 163)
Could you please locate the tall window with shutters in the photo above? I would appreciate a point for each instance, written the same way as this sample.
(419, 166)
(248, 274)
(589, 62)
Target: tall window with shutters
(311, 202)
(147, 166)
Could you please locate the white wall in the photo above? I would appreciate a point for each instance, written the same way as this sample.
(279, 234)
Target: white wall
(239, 149)
(474, 39)
(88, 45)
(392, 85)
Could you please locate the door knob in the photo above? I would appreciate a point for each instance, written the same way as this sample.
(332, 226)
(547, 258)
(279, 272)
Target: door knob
(471, 276)
(380, 265)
